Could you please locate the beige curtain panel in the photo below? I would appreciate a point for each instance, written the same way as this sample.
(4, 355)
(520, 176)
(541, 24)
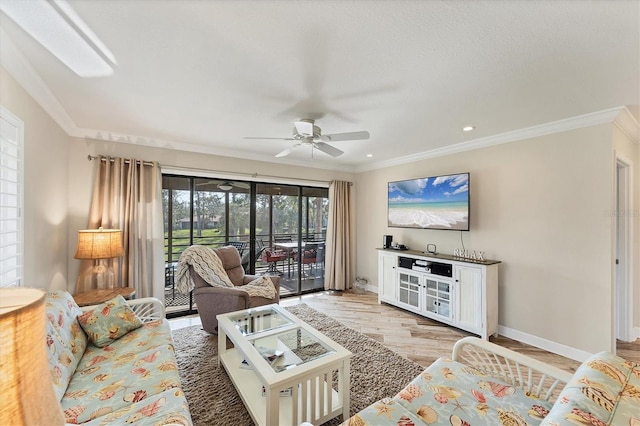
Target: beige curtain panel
(127, 195)
(339, 256)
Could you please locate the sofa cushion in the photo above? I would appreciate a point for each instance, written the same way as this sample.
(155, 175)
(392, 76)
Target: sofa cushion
(66, 342)
(109, 321)
(450, 391)
(384, 412)
(132, 369)
(166, 408)
(605, 390)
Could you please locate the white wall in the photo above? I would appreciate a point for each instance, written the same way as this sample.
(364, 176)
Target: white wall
(46, 191)
(630, 151)
(537, 205)
(81, 174)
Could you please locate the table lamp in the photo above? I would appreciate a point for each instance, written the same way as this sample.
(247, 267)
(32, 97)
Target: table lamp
(99, 245)
(28, 397)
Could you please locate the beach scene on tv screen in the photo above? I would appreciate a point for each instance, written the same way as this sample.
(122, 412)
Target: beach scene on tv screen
(440, 202)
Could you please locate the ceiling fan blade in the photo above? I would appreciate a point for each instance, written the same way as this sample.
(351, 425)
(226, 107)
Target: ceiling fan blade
(350, 136)
(258, 137)
(242, 185)
(287, 151)
(328, 149)
(304, 128)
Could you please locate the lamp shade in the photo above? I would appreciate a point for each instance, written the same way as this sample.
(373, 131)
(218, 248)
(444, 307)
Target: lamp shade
(99, 244)
(28, 397)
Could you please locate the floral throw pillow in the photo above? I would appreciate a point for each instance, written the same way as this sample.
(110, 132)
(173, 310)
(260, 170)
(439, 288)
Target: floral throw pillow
(109, 321)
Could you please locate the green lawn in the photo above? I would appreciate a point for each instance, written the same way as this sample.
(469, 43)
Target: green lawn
(181, 240)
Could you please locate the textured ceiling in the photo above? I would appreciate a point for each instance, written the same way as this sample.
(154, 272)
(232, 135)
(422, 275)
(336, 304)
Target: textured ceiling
(201, 75)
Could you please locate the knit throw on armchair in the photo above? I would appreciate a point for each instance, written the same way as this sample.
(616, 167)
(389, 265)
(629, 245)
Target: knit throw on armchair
(208, 265)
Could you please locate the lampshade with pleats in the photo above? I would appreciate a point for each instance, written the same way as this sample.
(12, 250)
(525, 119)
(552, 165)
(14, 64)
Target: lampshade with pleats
(99, 244)
(28, 397)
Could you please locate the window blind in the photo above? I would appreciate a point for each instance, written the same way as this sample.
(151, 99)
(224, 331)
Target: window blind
(11, 199)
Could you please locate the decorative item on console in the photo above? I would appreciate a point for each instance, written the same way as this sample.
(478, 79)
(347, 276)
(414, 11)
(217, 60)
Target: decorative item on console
(397, 246)
(469, 254)
(386, 241)
(431, 249)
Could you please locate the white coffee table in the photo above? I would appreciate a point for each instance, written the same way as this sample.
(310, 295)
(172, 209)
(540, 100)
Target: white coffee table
(305, 365)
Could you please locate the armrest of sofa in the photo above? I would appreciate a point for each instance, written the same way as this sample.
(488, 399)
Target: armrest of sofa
(601, 392)
(530, 375)
(146, 308)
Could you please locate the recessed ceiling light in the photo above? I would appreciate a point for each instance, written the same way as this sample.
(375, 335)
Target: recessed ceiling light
(58, 28)
(468, 128)
(369, 155)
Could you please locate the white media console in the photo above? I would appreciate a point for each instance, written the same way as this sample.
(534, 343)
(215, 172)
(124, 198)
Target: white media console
(456, 291)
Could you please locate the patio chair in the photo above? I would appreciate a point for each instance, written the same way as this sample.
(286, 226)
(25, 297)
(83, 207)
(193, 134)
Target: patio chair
(247, 256)
(240, 245)
(169, 278)
(309, 256)
(272, 257)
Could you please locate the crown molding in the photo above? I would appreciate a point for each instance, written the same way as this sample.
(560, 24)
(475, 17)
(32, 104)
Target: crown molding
(620, 116)
(627, 123)
(102, 135)
(21, 70)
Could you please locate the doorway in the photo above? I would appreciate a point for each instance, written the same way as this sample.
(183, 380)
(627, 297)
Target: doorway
(623, 272)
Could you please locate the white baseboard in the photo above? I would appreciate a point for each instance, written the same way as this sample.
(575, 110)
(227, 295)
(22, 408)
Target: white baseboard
(372, 288)
(547, 345)
(530, 339)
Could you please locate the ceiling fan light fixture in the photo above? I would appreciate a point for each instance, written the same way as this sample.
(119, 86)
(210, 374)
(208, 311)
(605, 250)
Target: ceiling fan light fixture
(225, 186)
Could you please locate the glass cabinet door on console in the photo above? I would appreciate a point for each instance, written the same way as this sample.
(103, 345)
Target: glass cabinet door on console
(409, 290)
(438, 297)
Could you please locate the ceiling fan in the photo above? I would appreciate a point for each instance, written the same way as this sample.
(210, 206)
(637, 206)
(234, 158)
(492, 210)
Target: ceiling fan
(305, 132)
(225, 185)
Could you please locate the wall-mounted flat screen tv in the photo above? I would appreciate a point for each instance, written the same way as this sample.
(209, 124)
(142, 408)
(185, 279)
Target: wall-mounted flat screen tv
(438, 202)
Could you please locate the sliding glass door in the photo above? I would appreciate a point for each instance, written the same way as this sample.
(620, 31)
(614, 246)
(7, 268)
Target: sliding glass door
(278, 229)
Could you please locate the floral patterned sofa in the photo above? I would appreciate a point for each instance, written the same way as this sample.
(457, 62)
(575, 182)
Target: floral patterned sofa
(486, 384)
(114, 363)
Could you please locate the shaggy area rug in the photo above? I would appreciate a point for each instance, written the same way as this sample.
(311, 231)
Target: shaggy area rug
(376, 372)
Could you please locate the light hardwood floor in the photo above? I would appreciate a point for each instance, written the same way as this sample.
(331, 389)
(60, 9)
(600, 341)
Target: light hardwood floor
(417, 338)
(412, 336)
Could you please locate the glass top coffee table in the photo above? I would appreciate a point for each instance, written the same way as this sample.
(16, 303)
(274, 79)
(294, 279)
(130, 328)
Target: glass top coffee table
(285, 371)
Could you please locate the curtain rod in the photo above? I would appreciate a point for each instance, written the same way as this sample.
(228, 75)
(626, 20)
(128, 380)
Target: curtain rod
(126, 161)
(226, 172)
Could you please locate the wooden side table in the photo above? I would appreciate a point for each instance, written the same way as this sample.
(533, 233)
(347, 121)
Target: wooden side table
(95, 297)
